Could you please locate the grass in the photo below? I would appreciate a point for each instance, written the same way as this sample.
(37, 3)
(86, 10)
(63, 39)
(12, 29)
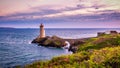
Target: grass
(101, 42)
(99, 52)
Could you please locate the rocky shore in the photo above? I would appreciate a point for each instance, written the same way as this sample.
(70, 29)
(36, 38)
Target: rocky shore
(58, 42)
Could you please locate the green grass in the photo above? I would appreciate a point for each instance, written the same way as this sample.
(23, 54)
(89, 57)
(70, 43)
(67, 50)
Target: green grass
(100, 42)
(99, 52)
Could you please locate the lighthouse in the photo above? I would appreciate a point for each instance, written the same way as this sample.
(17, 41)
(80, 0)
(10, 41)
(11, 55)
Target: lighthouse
(42, 31)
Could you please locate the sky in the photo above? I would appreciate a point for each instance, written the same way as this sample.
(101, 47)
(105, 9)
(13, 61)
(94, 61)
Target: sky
(60, 13)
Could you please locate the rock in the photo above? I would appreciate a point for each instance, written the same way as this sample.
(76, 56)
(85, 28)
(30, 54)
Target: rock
(53, 41)
(40, 40)
(58, 42)
(74, 46)
(100, 33)
(78, 42)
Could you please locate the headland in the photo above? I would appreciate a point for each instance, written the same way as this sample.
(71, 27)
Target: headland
(102, 51)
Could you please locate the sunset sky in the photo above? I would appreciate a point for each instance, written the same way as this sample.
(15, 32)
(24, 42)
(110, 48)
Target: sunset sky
(60, 13)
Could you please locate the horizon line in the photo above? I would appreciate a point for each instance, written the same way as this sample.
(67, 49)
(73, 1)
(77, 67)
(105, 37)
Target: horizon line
(49, 28)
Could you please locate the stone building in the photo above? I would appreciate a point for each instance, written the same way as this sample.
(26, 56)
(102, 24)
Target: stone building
(113, 32)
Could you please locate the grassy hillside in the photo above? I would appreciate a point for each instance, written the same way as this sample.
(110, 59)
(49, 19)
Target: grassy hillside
(99, 52)
(100, 42)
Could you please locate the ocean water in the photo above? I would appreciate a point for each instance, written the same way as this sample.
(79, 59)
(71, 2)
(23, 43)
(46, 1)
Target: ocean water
(16, 47)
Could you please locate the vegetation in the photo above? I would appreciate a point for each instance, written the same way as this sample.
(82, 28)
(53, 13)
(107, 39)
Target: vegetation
(99, 52)
(101, 42)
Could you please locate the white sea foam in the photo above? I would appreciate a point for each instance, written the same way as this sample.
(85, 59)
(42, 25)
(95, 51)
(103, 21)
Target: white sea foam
(29, 42)
(67, 45)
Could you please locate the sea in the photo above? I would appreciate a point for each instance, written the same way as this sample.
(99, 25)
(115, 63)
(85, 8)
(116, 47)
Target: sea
(16, 47)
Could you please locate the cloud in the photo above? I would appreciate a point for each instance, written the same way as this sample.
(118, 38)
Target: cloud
(40, 11)
(78, 13)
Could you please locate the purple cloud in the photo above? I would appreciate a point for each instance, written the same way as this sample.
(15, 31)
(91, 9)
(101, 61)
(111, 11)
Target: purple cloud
(105, 15)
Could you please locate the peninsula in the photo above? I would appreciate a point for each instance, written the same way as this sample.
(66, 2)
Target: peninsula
(58, 42)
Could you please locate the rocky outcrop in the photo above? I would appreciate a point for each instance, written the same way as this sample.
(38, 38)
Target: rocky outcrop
(74, 43)
(53, 41)
(58, 42)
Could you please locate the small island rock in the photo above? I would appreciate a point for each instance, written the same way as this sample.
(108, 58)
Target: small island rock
(47, 41)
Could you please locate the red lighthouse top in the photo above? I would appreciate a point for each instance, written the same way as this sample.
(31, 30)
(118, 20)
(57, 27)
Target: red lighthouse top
(41, 25)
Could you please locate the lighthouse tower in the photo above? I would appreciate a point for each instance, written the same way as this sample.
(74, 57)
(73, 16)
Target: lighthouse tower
(42, 31)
